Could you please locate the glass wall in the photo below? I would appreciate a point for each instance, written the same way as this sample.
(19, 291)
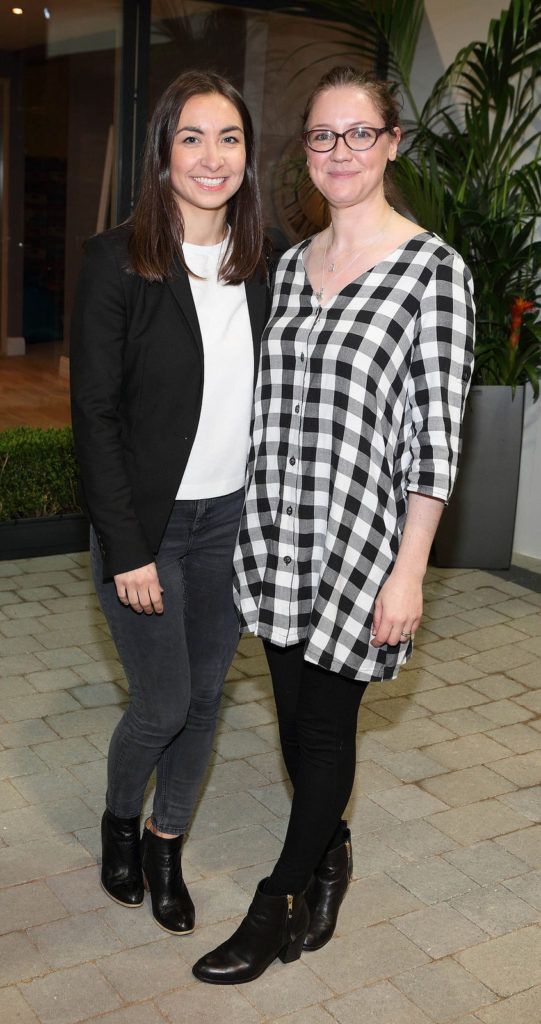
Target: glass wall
(60, 66)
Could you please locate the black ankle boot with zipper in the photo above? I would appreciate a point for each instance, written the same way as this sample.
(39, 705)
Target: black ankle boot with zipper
(121, 872)
(326, 891)
(275, 926)
(172, 905)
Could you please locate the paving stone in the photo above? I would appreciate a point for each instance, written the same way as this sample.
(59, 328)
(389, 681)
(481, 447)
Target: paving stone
(397, 709)
(432, 880)
(63, 657)
(525, 844)
(276, 797)
(366, 816)
(411, 680)
(526, 801)
(364, 955)
(243, 691)
(475, 822)
(527, 886)
(22, 734)
(414, 840)
(229, 811)
(439, 930)
(76, 636)
(519, 738)
(371, 856)
(45, 820)
(418, 733)
(278, 991)
(40, 858)
(103, 671)
(72, 995)
(484, 616)
(218, 899)
(378, 1004)
(14, 1009)
(466, 786)
(48, 787)
(466, 751)
(68, 752)
(507, 964)
(443, 990)
(79, 890)
(75, 939)
(145, 971)
(244, 716)
(18, 664)
(38, 705)
(308, 1015)
(486, 862)
(372, 900)
(410, 766)
(19, 761)
(408, 802)
(463, 722)
(140, 1013)
(10, 797)
(208, 1004)
(271, 765)
(25, 610)
(25, 905)
(19, 959)
(500, 659)
(238, 848)
(520, 1009)
(496, 910)
(524, 769)
(19, 643)
(450, 698)
(497, 687)
(456, 672)
(232, 777)
(526, 673)
(240, 743)
(79, 723)
(14, 686)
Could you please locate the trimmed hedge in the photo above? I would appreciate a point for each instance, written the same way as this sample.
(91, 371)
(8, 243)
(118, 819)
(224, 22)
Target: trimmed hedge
(38, 472)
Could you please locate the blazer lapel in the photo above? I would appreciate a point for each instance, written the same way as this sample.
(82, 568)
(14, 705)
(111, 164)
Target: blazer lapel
(256, 296)
(180, 286)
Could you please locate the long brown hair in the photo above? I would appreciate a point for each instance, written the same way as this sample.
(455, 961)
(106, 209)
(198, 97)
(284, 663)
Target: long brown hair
(376, 89)
(157, 224)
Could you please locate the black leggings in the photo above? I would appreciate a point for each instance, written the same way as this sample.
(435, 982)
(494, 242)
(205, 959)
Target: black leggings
(317, 718)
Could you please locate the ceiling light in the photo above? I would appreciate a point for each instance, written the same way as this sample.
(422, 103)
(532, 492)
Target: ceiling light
(46, 13)
(17, 10)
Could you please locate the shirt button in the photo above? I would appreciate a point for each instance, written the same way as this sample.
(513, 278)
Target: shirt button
(297, 408)
(287, 560)
(292, 461)
(302, 357)
(289, 510)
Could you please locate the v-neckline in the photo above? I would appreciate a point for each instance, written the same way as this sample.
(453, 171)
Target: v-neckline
(370, 270)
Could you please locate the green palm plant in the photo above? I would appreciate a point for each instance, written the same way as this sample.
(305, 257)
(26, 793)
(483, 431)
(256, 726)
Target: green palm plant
(469, 166)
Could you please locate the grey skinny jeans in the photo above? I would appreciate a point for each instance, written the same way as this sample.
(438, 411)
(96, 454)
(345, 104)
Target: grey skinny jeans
(175, 663)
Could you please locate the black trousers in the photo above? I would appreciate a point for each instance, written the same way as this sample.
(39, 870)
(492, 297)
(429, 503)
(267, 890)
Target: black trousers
(317, 717)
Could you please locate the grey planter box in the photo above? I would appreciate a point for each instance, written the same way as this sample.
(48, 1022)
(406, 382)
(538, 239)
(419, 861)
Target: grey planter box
(48, 535)
(477, 527)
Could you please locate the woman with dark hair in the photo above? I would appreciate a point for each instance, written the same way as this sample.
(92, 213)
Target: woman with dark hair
(366, 363)
(165, 339)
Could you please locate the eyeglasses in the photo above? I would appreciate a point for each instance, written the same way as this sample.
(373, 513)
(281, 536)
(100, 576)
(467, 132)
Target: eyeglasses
(322, 140)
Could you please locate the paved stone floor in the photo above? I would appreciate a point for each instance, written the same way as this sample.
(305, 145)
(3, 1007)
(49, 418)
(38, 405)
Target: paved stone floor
(442, 921)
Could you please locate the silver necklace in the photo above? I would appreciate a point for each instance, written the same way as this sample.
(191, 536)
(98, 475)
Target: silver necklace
(332, 266)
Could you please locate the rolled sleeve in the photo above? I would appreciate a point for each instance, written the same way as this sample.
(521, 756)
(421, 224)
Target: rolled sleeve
(441, 371)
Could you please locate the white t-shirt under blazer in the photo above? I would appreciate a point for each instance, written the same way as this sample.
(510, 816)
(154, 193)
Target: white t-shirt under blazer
(217, 462)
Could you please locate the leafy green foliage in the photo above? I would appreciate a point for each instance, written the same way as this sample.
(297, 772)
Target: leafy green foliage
(38, 472)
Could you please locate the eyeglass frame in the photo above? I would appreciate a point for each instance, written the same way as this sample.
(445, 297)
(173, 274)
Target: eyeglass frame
(342, 135)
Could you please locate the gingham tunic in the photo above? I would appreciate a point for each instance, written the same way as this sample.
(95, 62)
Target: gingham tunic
(356, 404)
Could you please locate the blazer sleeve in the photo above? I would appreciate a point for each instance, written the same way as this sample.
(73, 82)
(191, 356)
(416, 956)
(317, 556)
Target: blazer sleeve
(441, 371)
(98, 339)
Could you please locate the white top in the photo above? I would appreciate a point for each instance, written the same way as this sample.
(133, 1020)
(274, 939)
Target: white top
(217, 462)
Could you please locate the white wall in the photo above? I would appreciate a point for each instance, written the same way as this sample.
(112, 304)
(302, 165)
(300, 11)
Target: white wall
(448, 27)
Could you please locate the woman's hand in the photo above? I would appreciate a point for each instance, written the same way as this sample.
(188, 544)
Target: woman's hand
(141, 589)
(398, 609)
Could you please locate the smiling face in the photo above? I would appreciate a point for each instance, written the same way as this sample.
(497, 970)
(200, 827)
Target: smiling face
(208, 155)
(344, 176)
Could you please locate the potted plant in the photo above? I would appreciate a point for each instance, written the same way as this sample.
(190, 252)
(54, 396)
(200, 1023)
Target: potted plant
(39, 511)
(469, 170)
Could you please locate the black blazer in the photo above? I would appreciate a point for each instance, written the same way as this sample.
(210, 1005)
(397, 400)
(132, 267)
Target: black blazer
(136, 386)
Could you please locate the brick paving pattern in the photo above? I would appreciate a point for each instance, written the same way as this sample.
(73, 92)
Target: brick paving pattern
(441, 924)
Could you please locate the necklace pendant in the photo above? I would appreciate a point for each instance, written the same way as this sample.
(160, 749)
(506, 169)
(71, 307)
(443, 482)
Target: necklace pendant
(319, 295)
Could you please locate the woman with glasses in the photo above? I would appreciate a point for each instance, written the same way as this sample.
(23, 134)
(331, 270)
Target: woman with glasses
(165, 340)
(366, 362)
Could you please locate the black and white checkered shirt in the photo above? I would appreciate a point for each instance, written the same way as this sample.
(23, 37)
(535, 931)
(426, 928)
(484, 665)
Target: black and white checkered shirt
(357, 403)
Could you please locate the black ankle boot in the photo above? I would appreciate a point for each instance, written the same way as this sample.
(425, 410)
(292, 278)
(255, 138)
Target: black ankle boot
(172, 905)
(121, 872)
(326, 891)
(274, 926)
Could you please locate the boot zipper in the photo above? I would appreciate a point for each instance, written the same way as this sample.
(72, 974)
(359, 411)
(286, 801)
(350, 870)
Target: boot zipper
(290, 907)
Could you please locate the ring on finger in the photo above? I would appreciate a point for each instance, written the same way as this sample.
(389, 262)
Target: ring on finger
(407, 636)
